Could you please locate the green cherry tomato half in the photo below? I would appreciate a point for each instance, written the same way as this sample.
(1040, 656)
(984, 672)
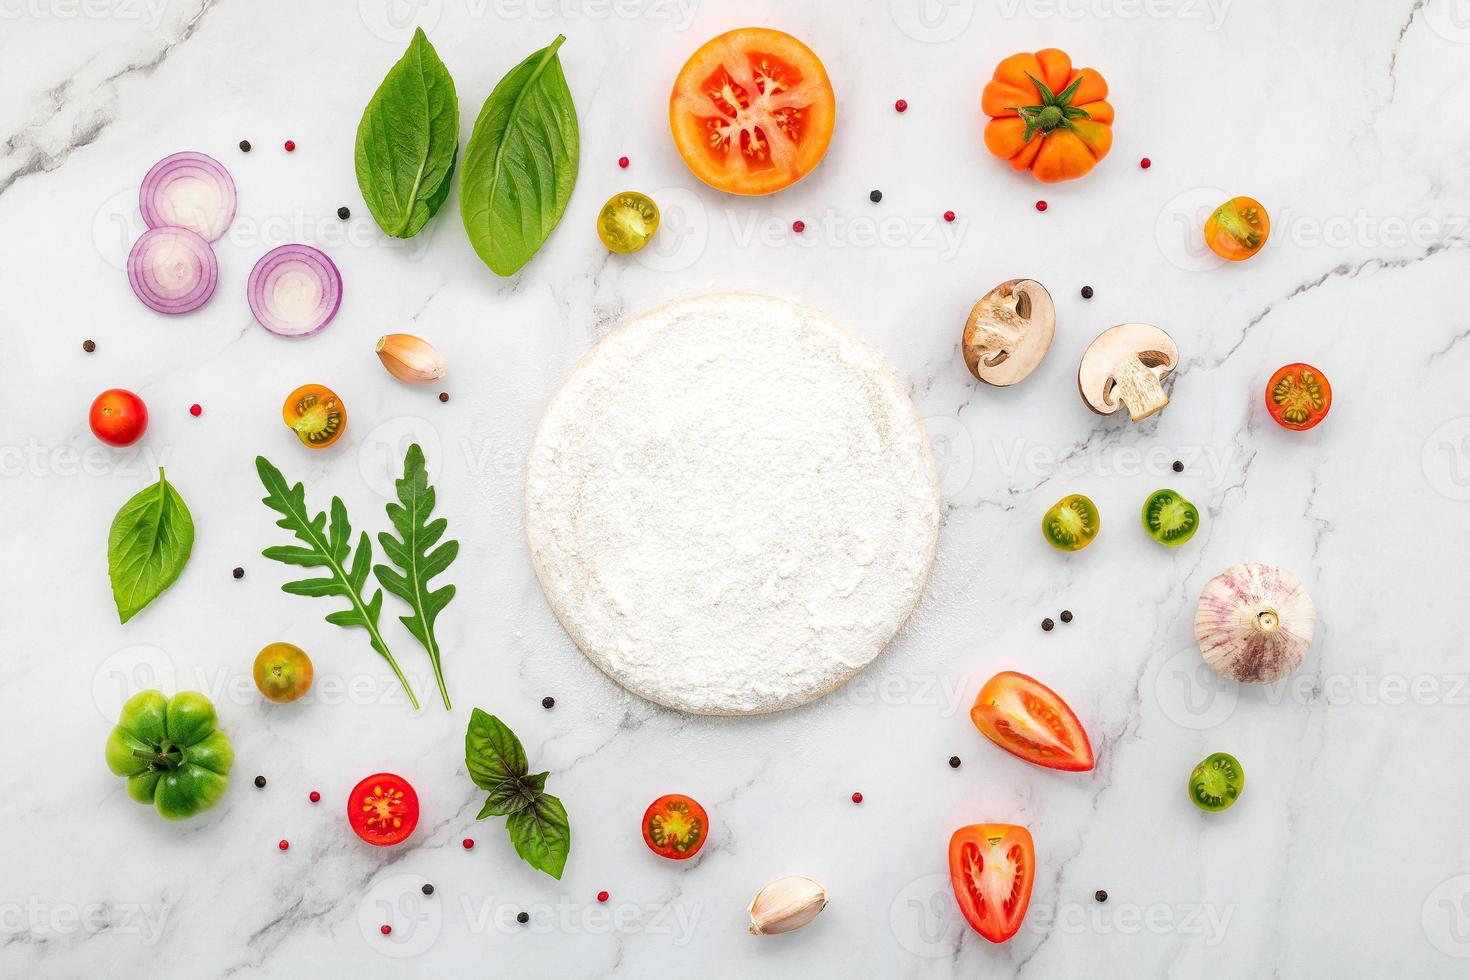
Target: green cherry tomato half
(1071, 523)
(170, 752)
(1169, 518)
(1298, 396)
(1216, 782)
(627, 222)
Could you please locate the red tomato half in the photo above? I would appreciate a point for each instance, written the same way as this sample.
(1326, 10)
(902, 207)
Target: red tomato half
(383, 809)
(675, 826)
(118, 417)
(1298, 396)
(992, 867)
(1030, 721)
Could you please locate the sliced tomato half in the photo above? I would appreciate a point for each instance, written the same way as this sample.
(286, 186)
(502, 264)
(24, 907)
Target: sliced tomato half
(1031, 721)
(992, 867)
(675, 827)
(383, 809)
(752, 111)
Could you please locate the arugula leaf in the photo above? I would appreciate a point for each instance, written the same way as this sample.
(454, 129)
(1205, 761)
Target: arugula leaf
(410, 551)
(147, 547)
(328, 546)
(408, 141)
(537, 821)
(521, 163)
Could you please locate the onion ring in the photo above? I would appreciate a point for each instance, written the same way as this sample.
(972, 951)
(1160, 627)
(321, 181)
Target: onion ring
(189, 190)
(294, 290)
(172, 270)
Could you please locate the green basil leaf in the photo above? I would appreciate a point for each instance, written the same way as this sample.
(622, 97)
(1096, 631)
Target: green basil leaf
(148, 545)
(408, 141)
(541, 835)
(520, 163)
(492, 752)
(506, 797)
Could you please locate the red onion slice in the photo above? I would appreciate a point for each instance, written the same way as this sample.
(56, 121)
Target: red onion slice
(172, 270)
(294, 290)
(189, 190)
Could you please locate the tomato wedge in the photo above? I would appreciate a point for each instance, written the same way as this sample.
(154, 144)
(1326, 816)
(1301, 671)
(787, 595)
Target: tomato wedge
(675, 827)
(1031, 721)
(992, 867)
(383, 809)
(752, 111)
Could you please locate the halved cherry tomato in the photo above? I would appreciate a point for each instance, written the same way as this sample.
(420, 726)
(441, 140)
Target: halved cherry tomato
(675, 826)
(752, 111)
(1071, 523)
(316, 415)
(383, 809)
(1032, 722)
(627, 222)
(1237, 229)
(1298, 396)
(992, 867)
(118, 417)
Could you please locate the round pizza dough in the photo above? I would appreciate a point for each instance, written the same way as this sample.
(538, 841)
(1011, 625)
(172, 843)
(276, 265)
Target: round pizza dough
(732, 505)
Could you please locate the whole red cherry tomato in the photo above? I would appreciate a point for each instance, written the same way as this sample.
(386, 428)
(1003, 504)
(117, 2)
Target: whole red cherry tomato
(118, 417)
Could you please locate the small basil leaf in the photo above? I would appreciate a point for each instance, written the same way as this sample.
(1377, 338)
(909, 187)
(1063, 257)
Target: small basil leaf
(541, 834)
(492, 752)
(408, 141)
(520, 163)
(147, 547)
(506, 797)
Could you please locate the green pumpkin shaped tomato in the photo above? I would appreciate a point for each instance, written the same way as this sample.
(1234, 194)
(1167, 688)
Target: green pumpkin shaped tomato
(170, 752)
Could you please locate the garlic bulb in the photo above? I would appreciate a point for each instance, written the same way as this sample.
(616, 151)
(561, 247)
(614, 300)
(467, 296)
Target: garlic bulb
(1254, 622)
(786, 904)
(409, 358)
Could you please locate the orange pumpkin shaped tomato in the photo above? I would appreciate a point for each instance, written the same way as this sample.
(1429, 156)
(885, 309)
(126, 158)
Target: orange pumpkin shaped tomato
(1046, 116)
(992, 867)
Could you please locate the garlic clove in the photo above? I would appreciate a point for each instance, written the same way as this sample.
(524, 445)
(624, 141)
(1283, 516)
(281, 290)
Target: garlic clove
(1254, 623)
(410, 359)
(786, 905)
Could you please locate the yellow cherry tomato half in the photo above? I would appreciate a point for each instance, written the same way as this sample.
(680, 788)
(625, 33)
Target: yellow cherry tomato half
(1237, 229)
(282, 672)
(316, 415)
(627, 222)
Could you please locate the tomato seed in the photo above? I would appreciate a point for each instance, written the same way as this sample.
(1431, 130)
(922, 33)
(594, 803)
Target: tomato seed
(195, 410)
(1047, 625)
(1087, 292)
(954, 762)
(88, 346)
(857, 797)
(623, 162)
(314, 796)
(1145, 163)
(467, 843)
(1066, 616)
(901, 105)
(284, 845)
(385, 929)
(259, 782)
(602, 896)
(290, 146)
(1041, 205)
(798, 226)
(949, 216)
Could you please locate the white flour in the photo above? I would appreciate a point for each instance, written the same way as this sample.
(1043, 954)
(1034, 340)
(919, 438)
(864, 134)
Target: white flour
(731, 505)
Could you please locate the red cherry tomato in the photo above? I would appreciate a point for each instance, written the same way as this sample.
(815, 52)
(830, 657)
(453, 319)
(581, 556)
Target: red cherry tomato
(118, 417)
(1031, 721)
(383, 809)
(675, 827)
(1298, 396)
(992, 867)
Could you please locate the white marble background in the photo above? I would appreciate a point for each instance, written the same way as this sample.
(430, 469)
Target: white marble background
(1347, 856)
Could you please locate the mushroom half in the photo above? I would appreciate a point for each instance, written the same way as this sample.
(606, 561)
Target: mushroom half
(1125, 365)
(1009, 331)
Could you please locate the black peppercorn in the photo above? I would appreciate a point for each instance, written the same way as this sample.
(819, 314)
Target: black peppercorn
(548, 701)
(343, 213)
(89, 346)
(244, 146)
(1100, 895)
(1087, 292)
(1178, 466)
(523, 917)
(1066, 616)
(875, 196)
(260, 782)
(954, 762)
(428, 889)
(238, 573)
(444, 396)
(1047, 625)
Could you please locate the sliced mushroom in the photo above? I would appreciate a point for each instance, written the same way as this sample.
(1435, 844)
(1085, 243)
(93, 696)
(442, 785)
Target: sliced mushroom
(1009, 332)
(1125, 365)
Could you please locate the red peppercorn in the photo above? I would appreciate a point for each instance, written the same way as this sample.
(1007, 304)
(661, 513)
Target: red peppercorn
(1145, 163)
(901, 105)
(949, 216)
(290, 146)
(385, 929)
(602, 896)
(467, 843)
(798, 226)
(1041, 205)
(194, 410)
(315, 797)
(283, 845)
(623, 162)
(857, 797)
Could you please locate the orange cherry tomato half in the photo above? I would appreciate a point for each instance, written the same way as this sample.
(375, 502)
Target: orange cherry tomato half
(383, 809)
(118, 417)
(992, 867)
(675, 827)
(1032, 722)
(1298, 396)
(283, 672)
(1237, 229)
(316, 415)
(752, 111)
